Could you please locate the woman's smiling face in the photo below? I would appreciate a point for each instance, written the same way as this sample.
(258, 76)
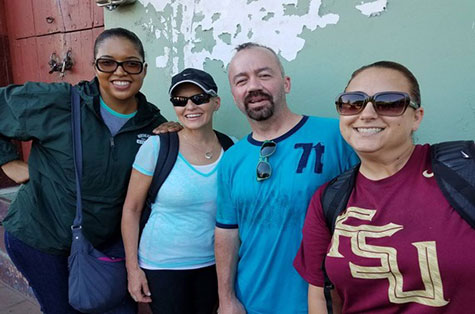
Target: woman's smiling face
(119, 87)
(193, 116)
(370, 133)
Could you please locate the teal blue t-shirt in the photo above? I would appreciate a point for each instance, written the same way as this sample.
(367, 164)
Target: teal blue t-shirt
(180, 231)
(270, 213)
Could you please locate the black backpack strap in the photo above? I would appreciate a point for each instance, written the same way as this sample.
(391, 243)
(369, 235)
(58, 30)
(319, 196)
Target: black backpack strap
(336, 195)
(453, 164)
(166, 160)
(334, 200)
(224, 140)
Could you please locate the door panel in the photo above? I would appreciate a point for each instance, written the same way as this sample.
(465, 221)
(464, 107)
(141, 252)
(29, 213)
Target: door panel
(47, 17)
(82, 17)
(97, 17)
(19, 15)
(52, 16)
(25, 60)
(95, 33)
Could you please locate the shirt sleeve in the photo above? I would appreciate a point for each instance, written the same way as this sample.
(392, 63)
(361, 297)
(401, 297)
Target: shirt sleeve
(315, 242)
(26, 112)
(146, 158)
(226, 216)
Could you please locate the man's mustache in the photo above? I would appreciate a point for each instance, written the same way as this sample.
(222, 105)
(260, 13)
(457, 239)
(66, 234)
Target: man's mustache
(256, 93)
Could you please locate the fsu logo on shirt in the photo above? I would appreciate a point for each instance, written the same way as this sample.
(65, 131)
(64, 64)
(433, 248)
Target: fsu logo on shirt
(432, 295)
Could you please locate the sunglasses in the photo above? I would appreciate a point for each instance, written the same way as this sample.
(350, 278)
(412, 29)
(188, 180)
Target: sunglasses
(384, 103)
(264, 169)
(110, 66)
(198, 99)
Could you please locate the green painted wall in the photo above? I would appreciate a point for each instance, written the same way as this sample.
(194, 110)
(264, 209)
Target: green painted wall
(435, 39)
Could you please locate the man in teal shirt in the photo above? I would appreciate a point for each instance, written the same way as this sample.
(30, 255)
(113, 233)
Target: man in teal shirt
(265, 182)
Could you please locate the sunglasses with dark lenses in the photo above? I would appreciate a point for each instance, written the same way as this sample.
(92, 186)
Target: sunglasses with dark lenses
(264, 169)
(198, 99)
(384, 103)
(109, 66)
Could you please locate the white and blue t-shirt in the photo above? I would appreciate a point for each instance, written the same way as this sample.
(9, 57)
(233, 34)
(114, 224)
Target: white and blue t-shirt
(270, 213)
(180, 231)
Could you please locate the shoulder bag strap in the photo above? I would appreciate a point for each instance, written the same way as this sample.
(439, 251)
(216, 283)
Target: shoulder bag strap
(77, 150)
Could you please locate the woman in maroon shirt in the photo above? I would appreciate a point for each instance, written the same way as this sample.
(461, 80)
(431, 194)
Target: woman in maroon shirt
(399, 247)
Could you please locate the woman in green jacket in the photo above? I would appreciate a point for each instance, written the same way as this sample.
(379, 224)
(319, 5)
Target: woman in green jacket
(116, 120)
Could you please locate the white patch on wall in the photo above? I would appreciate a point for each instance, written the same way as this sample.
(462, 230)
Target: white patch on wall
(373, 8)
(276, 24)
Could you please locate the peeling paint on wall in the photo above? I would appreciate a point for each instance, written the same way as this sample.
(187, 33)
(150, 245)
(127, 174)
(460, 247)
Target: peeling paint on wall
(201, 30)
(373, 8)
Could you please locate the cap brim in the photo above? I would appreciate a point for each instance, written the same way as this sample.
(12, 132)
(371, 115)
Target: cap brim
(207, 91)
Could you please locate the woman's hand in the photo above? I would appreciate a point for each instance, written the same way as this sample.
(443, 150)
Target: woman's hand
(17, 170)
(169, 126)
(138, 286)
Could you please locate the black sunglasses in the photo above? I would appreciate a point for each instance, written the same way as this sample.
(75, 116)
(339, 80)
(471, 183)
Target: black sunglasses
(264, 169)
(110, 66)
(198, 99)
(384, 103)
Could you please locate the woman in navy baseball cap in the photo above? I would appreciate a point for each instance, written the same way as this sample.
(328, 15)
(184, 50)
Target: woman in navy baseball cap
(173, 264)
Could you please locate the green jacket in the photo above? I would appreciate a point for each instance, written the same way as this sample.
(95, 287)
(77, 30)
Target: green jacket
(44, 209)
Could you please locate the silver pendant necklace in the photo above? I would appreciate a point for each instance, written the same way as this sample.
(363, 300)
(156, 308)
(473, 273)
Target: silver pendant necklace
(208, 154)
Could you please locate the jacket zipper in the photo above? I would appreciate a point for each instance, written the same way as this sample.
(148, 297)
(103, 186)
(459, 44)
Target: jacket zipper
(113, 150)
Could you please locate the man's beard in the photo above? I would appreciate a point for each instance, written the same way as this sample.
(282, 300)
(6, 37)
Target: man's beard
(262, 113)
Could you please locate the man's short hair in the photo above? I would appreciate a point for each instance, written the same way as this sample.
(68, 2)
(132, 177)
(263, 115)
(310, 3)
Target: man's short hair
(249, 45)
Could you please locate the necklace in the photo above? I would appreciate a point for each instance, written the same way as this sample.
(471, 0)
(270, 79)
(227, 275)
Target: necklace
(208, 154)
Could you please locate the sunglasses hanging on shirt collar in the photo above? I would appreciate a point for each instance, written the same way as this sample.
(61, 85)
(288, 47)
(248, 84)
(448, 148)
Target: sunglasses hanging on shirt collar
(264, 169)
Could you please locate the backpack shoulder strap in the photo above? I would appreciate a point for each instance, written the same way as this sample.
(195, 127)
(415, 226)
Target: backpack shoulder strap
(334, 199)
(166, 160)
(453, 164)
(224, 140)
(336, 195)
(167, 156)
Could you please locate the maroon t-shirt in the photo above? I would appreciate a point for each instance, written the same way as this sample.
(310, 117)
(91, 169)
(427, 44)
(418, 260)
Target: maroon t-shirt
(398, 247)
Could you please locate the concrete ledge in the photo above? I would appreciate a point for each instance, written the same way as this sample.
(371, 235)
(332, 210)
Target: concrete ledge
(11, 276)
(7, 195)
(8, 272)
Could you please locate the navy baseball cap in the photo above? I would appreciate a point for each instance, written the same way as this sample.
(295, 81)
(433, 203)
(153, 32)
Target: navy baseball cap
(194, 76)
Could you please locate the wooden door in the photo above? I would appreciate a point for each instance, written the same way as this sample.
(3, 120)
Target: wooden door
(5, 72)
(39, 31)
